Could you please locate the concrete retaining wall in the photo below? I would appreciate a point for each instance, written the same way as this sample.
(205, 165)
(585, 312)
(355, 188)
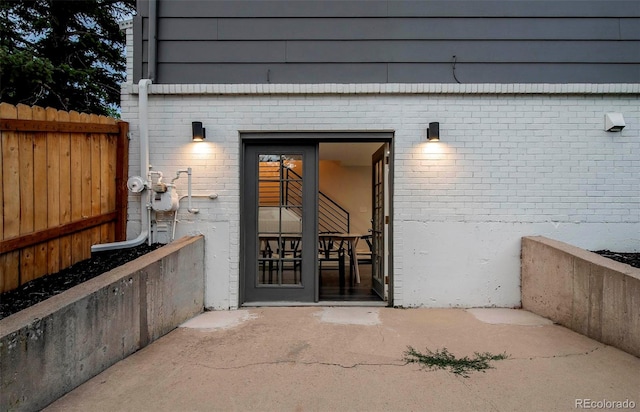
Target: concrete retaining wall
(54, 346)
(583, 291)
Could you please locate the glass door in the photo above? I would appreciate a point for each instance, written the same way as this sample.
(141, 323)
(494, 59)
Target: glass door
(279, 206)
(378, 221)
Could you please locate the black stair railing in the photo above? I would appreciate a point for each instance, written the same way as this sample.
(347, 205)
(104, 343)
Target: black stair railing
(332, 218)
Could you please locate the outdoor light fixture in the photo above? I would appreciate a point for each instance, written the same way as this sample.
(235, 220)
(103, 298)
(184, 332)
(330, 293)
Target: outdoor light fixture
(433, 132)
(613, 122)
(198, 132)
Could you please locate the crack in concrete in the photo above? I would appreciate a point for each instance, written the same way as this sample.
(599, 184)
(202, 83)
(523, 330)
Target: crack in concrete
(490, 402)
(278, 362)
(365, 364)
(566, 355)
(355, 365)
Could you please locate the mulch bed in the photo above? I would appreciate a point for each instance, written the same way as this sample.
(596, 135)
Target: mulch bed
(47, 286)
(632, 259)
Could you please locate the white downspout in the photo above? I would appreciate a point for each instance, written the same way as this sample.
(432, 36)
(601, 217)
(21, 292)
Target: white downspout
(145, 221)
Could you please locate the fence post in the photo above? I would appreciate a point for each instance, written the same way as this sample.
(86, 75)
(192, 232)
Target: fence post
(122, 171)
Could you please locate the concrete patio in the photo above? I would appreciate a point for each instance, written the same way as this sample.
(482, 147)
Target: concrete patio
(351, 359)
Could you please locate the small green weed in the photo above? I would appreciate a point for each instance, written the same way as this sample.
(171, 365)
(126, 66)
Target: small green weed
(443, 359)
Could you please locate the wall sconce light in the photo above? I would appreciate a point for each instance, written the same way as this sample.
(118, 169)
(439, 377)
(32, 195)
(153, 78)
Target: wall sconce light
(613, 122)
(433, 132)
(198, 132)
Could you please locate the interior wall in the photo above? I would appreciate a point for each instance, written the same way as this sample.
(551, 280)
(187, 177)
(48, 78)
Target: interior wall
(350, 187)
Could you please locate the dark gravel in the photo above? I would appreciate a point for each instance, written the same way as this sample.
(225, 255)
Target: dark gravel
(632, 259)
(43, 288)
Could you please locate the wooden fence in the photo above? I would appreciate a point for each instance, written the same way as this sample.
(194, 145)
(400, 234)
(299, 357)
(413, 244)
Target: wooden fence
(62, 189)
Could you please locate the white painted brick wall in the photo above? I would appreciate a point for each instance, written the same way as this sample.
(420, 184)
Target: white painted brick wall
(525, 161)
(515, 160)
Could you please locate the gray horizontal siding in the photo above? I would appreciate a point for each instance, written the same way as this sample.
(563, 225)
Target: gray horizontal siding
(516, 72)
(390, 51)
(394, 8)
(273, 73)
(466, 51)
(396, 73)
(311, 41)
(399, 29)
(515, 8)
(222, 52)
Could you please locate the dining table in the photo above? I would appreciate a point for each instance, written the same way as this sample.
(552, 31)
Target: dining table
(348, 242)
(345, 244)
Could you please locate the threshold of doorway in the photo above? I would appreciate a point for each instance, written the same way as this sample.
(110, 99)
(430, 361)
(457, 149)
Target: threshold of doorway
(361, 303)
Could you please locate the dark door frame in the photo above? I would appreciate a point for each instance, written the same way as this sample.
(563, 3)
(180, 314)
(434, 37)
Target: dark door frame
(378, 255)
(293, 137)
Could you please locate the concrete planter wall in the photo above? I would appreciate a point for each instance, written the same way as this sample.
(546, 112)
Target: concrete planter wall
(56, 345)
(583, 291)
